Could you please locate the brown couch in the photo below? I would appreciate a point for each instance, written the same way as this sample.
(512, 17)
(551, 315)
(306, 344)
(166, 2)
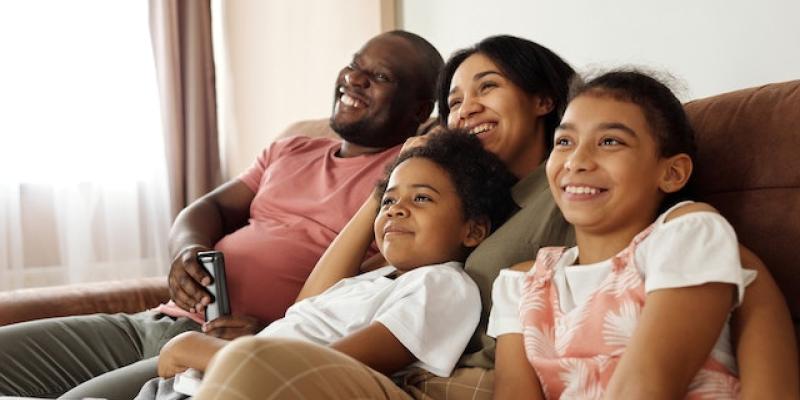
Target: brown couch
(748, 167)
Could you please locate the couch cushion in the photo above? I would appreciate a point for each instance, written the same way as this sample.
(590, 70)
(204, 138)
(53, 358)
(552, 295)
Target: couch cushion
(748, 167)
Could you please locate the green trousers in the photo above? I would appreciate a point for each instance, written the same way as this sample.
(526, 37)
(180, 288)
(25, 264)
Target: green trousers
(100, 355)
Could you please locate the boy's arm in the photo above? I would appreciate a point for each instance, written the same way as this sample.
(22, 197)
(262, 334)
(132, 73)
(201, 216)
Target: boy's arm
(344, 256)
(675, 334)
(377, 347)
(187, 350)
(763, 335)
(514, 376)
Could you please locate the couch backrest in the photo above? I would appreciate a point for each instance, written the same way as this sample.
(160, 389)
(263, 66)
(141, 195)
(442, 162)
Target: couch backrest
(748, 167)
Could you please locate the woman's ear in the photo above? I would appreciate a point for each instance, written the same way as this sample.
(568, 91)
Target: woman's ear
(477, 229)
(543, 105)
(677, 171)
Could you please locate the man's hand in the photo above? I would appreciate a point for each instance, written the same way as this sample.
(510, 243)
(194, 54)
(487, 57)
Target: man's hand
(230, 327)
(187, 280)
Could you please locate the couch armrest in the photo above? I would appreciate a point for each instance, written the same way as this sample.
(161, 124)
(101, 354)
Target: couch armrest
(129, 296)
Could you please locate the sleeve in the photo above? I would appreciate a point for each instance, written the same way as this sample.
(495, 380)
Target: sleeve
(506, 294)
(433, 312)
(692, 250)
(252, 176)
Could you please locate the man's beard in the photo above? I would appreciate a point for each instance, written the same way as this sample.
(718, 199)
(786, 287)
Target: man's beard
(362, 133)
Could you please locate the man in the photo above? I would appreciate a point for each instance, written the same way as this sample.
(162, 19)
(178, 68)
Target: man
(272, 223)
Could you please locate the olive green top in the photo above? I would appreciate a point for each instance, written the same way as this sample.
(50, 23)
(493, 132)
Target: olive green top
(537, 224)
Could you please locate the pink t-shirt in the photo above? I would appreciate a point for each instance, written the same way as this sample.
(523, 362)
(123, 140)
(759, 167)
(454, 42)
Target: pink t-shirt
(304, 197)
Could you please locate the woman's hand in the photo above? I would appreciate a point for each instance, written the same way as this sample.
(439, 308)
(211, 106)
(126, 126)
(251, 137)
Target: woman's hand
(229, 327)
(187, 350)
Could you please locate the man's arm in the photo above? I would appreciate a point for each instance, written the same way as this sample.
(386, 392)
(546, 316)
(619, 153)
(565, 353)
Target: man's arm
(344, 256)
(762, 331)
(197, 228)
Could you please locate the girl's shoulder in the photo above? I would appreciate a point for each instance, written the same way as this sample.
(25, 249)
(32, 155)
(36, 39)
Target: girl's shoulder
(524, 266)
(687, 208)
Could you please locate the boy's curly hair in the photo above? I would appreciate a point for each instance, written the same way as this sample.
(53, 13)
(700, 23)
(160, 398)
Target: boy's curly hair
(482, 181)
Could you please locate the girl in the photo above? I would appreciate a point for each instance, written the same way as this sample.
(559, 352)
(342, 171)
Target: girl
(636, 309)
(438, 202)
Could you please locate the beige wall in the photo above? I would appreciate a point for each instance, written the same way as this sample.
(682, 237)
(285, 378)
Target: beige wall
(277, 62)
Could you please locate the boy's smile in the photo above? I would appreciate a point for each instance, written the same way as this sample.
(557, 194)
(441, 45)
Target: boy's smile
(421, 220)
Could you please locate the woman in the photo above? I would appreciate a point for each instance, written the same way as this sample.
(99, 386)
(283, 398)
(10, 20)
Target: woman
(511, 93)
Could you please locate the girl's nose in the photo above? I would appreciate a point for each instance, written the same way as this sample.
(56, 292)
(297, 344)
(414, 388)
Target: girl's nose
(397, 210)
(579, 160)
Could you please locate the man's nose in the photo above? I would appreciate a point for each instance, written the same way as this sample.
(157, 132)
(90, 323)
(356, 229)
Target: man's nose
(355, 77)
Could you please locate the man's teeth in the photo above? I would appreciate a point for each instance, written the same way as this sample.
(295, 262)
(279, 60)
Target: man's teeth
(349, 101)
(581, 190)
(477, 130)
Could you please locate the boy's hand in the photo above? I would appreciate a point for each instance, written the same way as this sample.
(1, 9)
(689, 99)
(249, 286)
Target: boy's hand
(230, 327)
(173, 356)
(187, 280)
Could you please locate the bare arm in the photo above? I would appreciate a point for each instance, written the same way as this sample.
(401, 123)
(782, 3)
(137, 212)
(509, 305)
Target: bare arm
(762, 330)
(187, 350)
(344, 256)
(198, 227)
(514, 376)
(377, 347)
(674, 336)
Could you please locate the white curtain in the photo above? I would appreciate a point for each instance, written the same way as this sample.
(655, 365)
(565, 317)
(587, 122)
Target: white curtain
(83, 192)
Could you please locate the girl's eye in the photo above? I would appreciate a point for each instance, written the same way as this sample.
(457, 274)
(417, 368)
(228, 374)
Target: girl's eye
(610, 142)
(562, 141)
(422, 198)
(387, 201)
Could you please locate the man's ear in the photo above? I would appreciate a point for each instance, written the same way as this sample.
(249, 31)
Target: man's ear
(677, 170)
(477, 229)
(423, 111)
(543, 105)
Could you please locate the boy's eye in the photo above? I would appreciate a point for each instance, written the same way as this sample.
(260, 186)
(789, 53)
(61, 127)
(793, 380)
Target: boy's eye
(422, 198)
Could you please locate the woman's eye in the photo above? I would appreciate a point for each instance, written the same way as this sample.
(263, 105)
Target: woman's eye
(610, 142)
(486, 86)
(454, 103)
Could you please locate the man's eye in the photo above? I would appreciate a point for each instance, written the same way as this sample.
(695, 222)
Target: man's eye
(381, 77)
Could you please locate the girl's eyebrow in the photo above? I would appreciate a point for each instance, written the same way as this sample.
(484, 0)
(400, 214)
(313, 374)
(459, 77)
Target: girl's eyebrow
(616, 126)
(477, 77)
(414, 185)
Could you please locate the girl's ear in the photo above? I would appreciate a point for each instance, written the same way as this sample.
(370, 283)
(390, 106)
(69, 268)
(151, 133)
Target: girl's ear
(678, 169)
(477, 229)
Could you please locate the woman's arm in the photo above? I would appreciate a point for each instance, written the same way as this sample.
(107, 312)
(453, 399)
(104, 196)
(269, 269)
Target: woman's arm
(762, 331)
(187, 350)
(377, 347)
(344, 256)
(674, 336)
(514, 376)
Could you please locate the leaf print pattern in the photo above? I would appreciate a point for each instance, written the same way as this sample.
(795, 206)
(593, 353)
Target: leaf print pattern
(618, 327)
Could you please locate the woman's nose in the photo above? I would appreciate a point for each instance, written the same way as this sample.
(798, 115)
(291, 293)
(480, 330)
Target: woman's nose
(469, 107)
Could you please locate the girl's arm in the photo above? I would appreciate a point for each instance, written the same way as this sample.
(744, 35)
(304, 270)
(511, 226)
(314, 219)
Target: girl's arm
(344, 256)
(674, 336)
(376, 347)
(187, 350)
(762, 332)
(514, 376)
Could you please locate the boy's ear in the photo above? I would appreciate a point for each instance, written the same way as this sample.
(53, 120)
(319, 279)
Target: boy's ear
(677, 171)
(424, 110)
(477, 230)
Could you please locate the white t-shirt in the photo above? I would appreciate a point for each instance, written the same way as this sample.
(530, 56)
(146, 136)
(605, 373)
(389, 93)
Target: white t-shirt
(689, 250)
(431, 310)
